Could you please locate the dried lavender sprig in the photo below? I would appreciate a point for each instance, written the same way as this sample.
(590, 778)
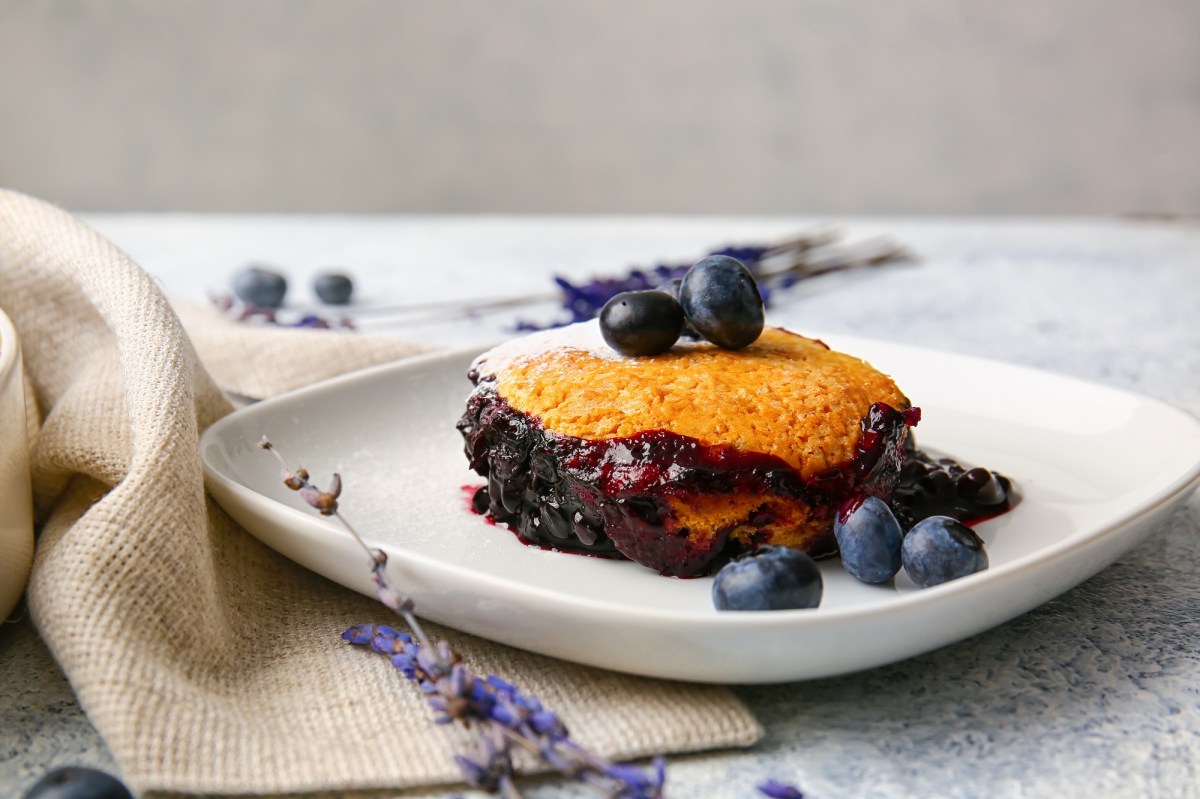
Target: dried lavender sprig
(505, 717)
(779, 790)
(250, 313)
(325, 503)
(509, 719)
(411, 314)
(777, 266)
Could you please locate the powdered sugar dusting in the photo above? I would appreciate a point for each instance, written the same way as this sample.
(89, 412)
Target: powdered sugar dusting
(582, 336)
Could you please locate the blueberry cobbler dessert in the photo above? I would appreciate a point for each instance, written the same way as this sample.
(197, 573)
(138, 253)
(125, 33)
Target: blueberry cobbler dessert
(681, 433)
(680, 459)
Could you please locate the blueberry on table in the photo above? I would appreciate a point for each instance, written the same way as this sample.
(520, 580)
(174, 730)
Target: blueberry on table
(641, 322)
(78, 782)
(769, 578)
(721, 300)
(869, 539)
(939, 549)
(263, 288)
(333, 288)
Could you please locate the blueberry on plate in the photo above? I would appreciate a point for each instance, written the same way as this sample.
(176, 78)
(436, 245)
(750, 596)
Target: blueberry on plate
(261, 287)
(981, 487)
(869, 539)
(641, 322)
(769, 578)
(721, 300)
(333, 288)
(78, 782)
(939, 549)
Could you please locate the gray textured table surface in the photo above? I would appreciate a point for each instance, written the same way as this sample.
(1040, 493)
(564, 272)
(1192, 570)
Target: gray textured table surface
(1096, 693)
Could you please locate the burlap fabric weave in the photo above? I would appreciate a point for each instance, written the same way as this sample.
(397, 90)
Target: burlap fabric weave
(210, 664)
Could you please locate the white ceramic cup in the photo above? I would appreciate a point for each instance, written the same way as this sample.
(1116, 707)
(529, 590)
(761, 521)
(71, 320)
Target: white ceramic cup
(16, 504)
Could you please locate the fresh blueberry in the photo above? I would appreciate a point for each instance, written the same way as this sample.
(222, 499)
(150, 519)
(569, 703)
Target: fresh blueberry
(672, 287)
(939, 549)
(333, 288)
(980, 486)
(641, 322)
(78, 782)
(769, 578)
(260, 287)
(721, 300)
(869, 538)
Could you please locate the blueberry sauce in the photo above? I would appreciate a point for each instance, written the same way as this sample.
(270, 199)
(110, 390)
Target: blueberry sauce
(935, 485)
(611, 497)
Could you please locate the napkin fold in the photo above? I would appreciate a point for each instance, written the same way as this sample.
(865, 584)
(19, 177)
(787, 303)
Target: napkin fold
(209, 663)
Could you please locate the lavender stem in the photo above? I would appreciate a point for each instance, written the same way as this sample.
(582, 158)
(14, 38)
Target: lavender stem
(506, 717)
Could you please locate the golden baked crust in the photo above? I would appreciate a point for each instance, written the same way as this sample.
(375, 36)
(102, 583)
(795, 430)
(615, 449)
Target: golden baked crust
(785, 395)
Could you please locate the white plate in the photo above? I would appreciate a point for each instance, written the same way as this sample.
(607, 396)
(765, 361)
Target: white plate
(1098, 470)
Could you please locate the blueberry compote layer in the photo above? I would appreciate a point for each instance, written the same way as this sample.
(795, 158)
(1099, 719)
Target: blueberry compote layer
(615, 497)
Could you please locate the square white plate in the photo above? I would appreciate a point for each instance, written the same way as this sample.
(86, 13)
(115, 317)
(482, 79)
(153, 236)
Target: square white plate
(1098, 469)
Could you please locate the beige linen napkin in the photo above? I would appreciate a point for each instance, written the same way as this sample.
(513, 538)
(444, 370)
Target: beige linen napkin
(209, 663)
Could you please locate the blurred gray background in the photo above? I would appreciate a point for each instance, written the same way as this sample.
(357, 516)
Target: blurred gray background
(758, 106)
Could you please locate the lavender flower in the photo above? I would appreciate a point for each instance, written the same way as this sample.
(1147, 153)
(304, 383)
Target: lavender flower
(505, 720)
(779, 790)
(775, 267)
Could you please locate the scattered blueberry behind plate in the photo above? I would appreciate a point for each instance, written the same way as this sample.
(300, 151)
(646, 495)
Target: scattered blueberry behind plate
(641, 322)
(333, 288)
(78, 782)
(722, 301)
(869, 539)
(939, 549)
(259, 286)
(769, 578)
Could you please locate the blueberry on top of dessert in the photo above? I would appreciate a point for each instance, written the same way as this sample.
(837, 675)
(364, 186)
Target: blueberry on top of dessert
(682, 459)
